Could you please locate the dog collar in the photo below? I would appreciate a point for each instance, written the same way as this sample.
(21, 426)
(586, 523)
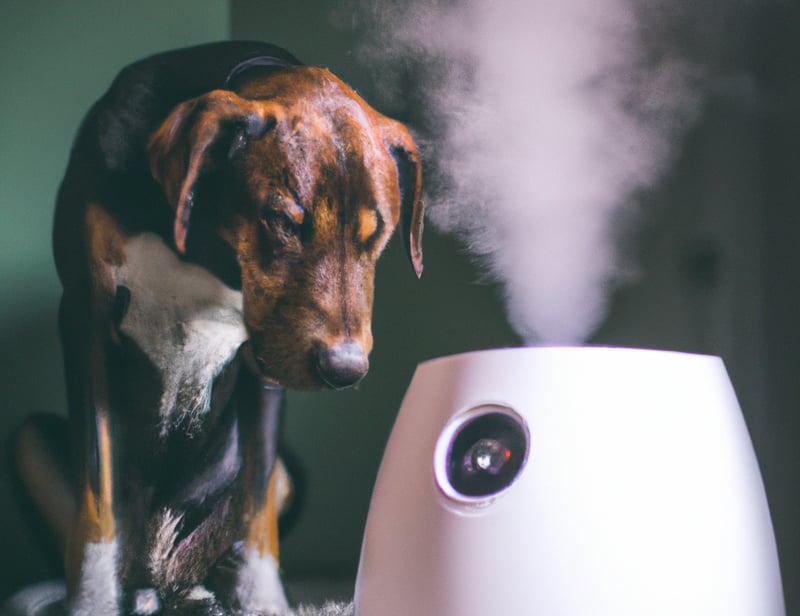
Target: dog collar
(257, 61)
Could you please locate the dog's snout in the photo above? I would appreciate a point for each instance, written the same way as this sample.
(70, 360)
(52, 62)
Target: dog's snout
(343, 364)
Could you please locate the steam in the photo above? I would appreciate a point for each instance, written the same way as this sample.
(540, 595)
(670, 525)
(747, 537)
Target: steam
(544, 121)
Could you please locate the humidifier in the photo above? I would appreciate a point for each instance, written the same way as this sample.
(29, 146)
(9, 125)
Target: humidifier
(573, 482)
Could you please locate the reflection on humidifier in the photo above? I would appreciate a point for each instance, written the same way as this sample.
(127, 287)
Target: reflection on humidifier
(573, 482)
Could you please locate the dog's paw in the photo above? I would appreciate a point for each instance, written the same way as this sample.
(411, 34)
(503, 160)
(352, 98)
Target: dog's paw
(98, 590)
(248, 583)
(259, 591)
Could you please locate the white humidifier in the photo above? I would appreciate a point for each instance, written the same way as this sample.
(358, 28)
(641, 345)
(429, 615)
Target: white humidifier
(571, 482)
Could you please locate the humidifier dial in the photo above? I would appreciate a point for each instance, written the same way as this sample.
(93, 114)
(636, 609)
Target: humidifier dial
(480, 454)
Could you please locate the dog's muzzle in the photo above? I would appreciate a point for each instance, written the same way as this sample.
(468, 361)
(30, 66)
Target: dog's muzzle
(342, 365)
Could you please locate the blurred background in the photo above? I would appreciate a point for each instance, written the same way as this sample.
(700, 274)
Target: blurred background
(716, 249)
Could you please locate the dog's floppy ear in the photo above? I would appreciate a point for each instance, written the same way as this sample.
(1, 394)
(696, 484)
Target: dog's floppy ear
(409, 176)
(180, 148)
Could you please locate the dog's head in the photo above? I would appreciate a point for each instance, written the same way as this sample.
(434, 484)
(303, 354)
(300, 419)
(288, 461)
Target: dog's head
(306, 183)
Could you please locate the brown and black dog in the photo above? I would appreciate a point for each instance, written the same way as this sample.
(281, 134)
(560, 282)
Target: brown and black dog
(216, 236)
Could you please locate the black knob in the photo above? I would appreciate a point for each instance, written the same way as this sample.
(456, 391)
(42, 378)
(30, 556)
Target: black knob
(486, 454)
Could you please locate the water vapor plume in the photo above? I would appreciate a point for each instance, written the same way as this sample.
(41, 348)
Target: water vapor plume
(543, 121)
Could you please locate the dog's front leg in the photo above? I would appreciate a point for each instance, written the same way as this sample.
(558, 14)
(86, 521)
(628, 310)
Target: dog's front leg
(91, 561)
(87, 322)
(257, 586)
(92, 554)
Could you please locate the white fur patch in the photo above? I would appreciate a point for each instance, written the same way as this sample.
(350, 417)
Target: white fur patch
(187, 322)
(161, 543)
(98, 591)
(259, 587)
(200, 593)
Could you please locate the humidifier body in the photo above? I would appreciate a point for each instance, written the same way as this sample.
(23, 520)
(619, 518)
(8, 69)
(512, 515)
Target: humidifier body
(573, 482)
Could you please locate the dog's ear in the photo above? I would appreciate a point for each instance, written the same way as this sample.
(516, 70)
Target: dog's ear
(409, 176)
(181, 148)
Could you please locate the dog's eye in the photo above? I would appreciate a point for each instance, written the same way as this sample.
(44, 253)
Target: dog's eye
(292, 215)
(283, 215)
(370, 227)
(296, 212)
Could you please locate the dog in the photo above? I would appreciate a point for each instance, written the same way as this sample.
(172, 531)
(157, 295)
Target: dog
(216, 235)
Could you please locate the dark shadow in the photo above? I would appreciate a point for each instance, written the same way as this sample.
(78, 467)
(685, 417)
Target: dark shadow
(31, 381)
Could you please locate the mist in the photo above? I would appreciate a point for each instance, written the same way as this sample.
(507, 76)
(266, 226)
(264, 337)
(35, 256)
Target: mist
(543, 124)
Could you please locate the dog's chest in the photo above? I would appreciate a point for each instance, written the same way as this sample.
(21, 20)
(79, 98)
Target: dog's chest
(187, 323)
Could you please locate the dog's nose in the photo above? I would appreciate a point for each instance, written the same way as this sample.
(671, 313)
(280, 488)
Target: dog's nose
(343, 364)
